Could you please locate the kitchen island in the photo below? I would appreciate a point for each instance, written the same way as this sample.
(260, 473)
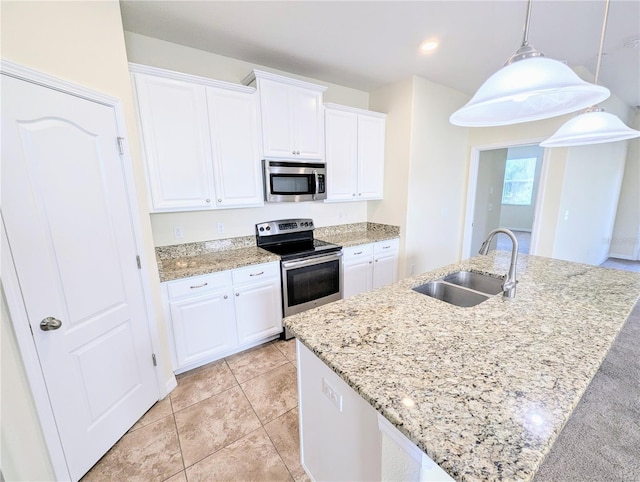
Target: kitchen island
(483, 391)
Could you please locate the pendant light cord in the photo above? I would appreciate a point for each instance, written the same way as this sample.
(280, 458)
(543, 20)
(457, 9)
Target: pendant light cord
(525, 36)
(604, 29)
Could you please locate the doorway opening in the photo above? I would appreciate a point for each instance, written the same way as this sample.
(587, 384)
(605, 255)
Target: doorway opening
(504, 191)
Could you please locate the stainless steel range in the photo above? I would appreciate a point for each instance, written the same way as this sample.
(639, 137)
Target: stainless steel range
(311, 268)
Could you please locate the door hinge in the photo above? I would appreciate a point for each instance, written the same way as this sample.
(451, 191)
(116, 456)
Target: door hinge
(138, 261)
(153, 357)
(121, 145)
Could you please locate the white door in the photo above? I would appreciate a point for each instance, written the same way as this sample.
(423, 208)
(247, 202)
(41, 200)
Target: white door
(233, 120)
(357, 276)
(308, 123)
(258, 311)
(277, 119)
(341, 147)
(384, 270)
(175, 131)
(203, 326)
(69, 225)
(371, 132)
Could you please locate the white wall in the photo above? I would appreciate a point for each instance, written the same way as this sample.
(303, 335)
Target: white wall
(588, 203)
(625, 241)
(487, 210)
(396, 100)
(425, 172)
(202, 225)
(521, 217)
(82, 42)
(437, 177)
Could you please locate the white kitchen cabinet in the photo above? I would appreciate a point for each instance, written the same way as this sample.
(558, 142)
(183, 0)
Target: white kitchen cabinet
(174, 125)
(200, 140)
(216, 315)
(357, 270)
(369, 266)
(291, 115)
(354, 145)
(257, 302)
(385, 263)
(202, 317)
(233, 123)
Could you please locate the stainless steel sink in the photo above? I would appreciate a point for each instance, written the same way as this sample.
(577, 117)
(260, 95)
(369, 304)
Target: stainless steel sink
(476, 281)
(451, 294)
(463, 288)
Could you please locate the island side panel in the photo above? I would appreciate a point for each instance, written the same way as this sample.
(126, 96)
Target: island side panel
(339, 435)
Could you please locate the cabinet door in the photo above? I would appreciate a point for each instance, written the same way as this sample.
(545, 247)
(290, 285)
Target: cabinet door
(258, 310)
(385, 268)
(307, 123)
(341, 134)
(357, 277)
(277, 119)
(173, 119)
(202, 326)
(233, 122)
(371, 131)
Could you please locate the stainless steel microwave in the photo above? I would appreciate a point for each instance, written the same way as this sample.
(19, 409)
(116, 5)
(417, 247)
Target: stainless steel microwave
(294, 181)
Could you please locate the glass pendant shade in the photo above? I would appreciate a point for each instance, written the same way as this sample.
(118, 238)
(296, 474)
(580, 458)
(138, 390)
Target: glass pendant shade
(527, 90)
(591, 127)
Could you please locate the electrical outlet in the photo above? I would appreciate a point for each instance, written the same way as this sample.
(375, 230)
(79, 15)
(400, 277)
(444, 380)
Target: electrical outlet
(178, 232)
(332, 395)
(220, 228)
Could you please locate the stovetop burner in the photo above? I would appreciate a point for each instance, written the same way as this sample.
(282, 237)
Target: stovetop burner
(291, 239)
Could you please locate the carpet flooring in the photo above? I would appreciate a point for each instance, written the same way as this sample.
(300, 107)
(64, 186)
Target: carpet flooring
(601, 440)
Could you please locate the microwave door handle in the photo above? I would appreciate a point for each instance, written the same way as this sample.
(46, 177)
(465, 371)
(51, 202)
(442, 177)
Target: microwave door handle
(315, 175)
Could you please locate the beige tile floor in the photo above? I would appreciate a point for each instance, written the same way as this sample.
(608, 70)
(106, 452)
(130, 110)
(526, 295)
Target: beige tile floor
(232, 420)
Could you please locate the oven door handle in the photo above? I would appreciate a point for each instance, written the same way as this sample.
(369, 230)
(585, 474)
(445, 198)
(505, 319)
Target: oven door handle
(311, 261)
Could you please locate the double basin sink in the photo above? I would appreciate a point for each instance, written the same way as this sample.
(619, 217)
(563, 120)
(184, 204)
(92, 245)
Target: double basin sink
(463, 288)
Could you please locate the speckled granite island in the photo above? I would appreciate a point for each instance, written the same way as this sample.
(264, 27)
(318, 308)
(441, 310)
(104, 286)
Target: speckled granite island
(483, 391)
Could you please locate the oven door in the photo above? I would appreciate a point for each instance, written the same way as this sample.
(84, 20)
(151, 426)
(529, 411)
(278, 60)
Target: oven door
(311, 282)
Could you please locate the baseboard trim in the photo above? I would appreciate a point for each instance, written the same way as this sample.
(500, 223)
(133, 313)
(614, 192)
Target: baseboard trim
(170, 385)
(622, 256)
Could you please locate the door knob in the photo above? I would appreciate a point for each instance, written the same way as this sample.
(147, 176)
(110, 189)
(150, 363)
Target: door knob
(50, 323)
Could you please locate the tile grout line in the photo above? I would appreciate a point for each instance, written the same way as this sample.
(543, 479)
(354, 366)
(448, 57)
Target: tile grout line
(274, 445)
(175, 423)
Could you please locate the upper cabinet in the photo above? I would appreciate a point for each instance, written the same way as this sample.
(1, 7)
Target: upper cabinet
(291, 114)
(354, 147)
(200, 140)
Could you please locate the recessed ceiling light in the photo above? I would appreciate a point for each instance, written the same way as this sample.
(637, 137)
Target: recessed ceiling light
(428, 45)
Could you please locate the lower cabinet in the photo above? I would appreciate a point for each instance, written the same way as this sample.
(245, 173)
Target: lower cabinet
(369, 266)
(216, 315)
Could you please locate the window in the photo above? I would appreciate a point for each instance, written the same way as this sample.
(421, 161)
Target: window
(518, 181)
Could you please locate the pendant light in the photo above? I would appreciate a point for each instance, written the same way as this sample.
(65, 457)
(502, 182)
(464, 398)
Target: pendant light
(592, 125)
(529, 87)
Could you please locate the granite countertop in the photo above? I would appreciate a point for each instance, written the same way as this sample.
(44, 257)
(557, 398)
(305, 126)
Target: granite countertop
(194, 259)
(353, 235)
(483, 391)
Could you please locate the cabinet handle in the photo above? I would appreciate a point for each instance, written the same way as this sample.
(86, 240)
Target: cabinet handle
(386, 247)
(377, 260)
(237, 294)
(356, 254)
(219, 200)
(359, 194)
(354, 194)
(225, 297)
(199, 286)
(257, 274)
(207, 200)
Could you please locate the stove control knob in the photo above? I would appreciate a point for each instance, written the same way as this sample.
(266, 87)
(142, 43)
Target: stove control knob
(261, 228)
(304, 223)
(268, 228)
(310, 223)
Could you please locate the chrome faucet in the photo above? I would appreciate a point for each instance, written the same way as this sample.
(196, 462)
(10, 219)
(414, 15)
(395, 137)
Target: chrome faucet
(509, 284)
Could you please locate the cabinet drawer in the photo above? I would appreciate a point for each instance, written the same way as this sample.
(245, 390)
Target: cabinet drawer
(354, 252)
(198, 285)
(389, 246)
(256, 273)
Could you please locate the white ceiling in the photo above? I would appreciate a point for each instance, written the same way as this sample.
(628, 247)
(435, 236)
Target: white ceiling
(367, 44)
